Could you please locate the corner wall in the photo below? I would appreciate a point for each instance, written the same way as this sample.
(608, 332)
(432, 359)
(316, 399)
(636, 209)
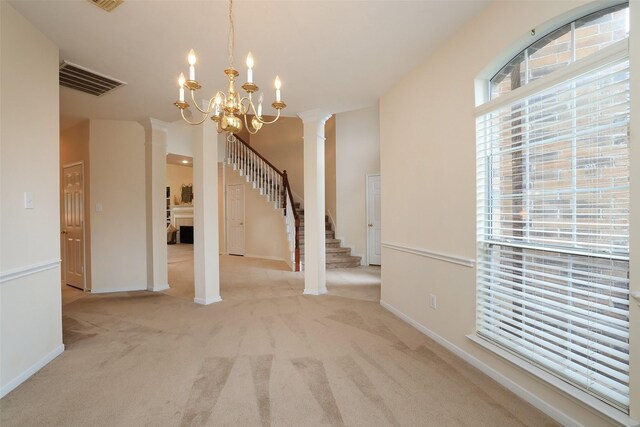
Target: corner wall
(330, 169)
(357, 155)
(118, 208)
(30, 303)
(428, 149)
(264, 231)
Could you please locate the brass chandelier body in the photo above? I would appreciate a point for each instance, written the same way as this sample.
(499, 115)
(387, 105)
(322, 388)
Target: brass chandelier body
(229, 110)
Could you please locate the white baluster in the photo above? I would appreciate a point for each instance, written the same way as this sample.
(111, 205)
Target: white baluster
(270, 184)
(279, 200)
(262, 163)
(254, 175)
(249, 166)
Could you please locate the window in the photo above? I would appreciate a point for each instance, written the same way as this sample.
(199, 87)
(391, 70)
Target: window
(553, 206)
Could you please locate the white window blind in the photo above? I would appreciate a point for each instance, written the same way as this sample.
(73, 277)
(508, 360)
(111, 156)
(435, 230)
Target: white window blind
(553, 228)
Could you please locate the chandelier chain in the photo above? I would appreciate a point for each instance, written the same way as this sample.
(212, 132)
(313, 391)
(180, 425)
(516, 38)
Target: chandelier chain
(231, 35)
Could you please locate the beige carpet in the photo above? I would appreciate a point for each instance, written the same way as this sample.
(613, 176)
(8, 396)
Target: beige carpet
(264, 356)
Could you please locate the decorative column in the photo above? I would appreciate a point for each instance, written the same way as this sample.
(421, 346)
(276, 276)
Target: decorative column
(206, 261)
(156, 181)
(315, 281)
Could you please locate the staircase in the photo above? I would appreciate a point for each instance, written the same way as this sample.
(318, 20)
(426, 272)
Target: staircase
(274, 185)
(336, 255)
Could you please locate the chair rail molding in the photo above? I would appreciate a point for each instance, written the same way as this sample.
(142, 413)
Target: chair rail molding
(454, 259)
(28, 270)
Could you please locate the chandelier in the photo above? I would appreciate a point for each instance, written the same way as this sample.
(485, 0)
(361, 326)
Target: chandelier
(229, 110)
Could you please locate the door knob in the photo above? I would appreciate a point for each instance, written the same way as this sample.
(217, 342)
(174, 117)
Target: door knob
(63, 232)
(242, 223)
(370, 225)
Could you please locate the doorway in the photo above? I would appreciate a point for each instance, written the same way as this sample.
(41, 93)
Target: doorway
(374, 252)
(73, 250)
(235, 219)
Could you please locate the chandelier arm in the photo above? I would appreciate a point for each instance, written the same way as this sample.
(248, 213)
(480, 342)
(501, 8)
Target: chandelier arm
(246, 125)
(195, 104)
(265, 122)
(251, 106)
(190, 122)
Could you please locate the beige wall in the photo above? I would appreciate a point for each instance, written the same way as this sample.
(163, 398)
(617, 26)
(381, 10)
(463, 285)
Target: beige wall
(330, 168)
(265, 233)
(180, 138)
(427, 135)
(118, 232)
(30, 304)
(176, 177)
(357, 154)
(281, 144)
(74, 148)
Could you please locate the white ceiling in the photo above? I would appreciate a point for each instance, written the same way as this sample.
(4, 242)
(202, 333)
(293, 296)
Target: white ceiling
(334, 55)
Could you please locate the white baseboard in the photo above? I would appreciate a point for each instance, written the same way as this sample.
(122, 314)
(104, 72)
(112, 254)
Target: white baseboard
(11, 385)
(159, 288)
(524, 394)
(207, 301)
(114, 290)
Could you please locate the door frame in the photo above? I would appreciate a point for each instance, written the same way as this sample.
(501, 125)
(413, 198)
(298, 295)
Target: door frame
(84, 229)
(367, 201)
(244, 216)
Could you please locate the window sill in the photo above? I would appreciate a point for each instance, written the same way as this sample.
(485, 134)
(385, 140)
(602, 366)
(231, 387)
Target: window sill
(573, 392)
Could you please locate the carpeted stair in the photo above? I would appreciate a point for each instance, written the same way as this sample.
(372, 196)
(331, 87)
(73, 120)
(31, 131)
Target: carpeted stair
(336, 255)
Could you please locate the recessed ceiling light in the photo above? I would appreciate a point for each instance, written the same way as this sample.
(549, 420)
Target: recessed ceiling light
(186, 162)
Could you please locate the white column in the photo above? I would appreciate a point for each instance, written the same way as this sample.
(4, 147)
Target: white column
(156, 182)
(315, 281)
(206, 261)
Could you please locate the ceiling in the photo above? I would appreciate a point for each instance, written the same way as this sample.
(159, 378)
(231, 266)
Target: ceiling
(178, 160)
(333, 55)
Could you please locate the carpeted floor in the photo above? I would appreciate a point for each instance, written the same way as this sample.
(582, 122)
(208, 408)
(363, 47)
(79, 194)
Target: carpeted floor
(264, 356)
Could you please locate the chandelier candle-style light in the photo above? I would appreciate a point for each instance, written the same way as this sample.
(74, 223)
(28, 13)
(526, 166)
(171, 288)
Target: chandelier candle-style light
(226, 108)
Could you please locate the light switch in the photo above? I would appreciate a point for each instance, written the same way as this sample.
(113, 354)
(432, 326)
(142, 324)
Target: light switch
(28, 200)
(98, 207)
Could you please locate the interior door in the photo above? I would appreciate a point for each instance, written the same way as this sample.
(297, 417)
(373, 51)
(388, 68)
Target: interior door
(235, 219)
(374, 224)
(73, 226)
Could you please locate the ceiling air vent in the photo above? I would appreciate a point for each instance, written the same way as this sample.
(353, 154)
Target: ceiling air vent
(107, 5)
(79, 78)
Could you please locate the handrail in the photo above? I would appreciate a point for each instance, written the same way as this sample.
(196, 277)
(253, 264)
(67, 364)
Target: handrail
(258, 154)
(285, 181)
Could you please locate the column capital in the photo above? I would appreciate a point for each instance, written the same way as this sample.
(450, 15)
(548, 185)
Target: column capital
(154, 124)
(151, 125)
(314, 116)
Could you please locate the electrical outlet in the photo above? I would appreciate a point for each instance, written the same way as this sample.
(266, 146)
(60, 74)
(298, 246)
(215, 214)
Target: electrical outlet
(433, 301)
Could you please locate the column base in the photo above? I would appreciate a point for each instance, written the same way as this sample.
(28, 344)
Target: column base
(314, 292)
(207, 301)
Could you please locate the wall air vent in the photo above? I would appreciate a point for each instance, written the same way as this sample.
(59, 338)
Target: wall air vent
(79, 78)
(107, 5)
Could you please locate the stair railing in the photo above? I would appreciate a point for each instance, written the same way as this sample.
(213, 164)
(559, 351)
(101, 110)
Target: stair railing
(271, 183)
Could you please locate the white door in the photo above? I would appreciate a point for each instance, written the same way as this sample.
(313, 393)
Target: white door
(374, 223)
(235, 219)
(73, 225)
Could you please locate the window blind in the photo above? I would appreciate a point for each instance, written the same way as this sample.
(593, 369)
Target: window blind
(553, 227)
